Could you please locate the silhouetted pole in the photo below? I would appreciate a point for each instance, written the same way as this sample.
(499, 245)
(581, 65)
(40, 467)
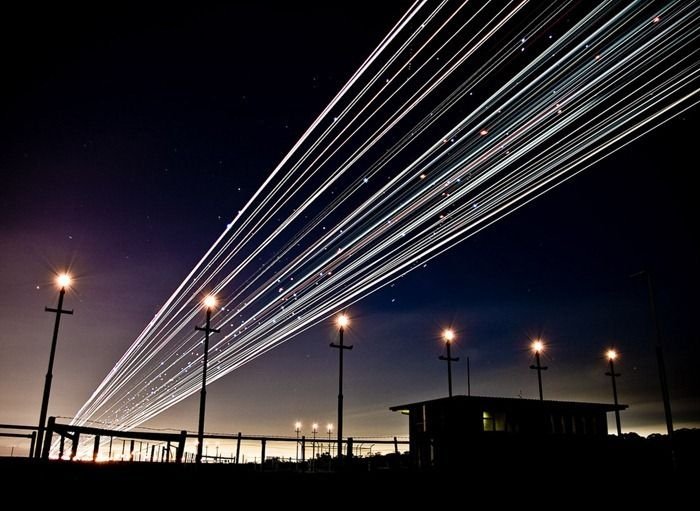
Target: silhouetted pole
(63, 281)
(659, 354)
(330, 432)
(448, 336)
(314, 430)
(297, 429)
(612, 355)
(32, 444)
(209, 303)
(537, 347)
(342, 321)
(469, 379)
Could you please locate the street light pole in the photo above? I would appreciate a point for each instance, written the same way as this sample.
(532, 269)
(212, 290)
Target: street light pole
(448, 336)
(330, 431)
(537, 347)
(297, 428)
(314, 430)
(63, 281)
(342, 322)
(659, 354)
(209, 303)
(469, 379)
(612, 355)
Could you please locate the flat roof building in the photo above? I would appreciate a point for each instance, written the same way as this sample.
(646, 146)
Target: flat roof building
(444, 431)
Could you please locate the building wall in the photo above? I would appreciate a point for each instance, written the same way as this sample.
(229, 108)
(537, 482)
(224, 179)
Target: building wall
(445, 433)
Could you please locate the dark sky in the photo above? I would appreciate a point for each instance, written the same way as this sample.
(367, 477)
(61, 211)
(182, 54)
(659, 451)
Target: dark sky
(129, 135)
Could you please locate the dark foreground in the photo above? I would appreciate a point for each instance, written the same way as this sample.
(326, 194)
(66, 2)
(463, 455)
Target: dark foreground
(633, 471)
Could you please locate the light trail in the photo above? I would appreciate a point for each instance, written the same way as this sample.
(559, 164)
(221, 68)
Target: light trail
(460, 116)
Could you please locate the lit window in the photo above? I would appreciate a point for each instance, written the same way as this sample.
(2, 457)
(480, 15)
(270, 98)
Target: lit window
(493, 421)
(487, 421)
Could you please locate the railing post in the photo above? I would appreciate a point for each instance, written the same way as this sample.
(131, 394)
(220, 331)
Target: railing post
(181, 446)
(96, 448)
(31, 445)
(238, 448)
(262, 454)
(48, 435)
(74, 445)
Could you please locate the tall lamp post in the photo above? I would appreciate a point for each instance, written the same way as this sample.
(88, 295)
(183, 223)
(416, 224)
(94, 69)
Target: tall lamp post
(612, 355)
(538, 347)
(659, 353)
(448, 336)
(209, 304)
(63, 281)
(342, 322)
(297, 430)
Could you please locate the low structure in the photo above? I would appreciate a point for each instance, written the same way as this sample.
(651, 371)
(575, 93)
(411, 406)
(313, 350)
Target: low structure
(444, 430)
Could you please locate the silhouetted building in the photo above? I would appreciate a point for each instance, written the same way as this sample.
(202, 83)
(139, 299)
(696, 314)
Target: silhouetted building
(443, 431)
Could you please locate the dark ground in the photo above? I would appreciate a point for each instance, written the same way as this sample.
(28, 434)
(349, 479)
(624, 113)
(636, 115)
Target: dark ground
(633, 470)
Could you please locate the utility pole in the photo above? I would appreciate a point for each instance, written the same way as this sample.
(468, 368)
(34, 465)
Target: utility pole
(659, 353)
(63, 281)
(209, 303)
(469, 379)
(612, 355)
(342, 321)
(448, 336)
(537, 347)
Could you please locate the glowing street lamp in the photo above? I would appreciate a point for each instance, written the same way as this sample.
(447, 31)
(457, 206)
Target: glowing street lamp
(342, 321)
(538, 347)
(448, 336)
(209, 303)
(63, 281)
(611, 355)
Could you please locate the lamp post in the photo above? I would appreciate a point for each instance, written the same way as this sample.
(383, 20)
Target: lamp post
(342, 321)
(209, 303)
(314, 430)
(538, 347)
(62, 281)
(658, 349)
(612, 355)
(448, 336)
(297, 430)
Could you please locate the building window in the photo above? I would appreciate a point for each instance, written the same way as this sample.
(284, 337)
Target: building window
(488, 422)
(493, 421)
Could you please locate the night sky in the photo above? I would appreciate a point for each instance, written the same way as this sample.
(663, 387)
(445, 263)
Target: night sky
(130, 135)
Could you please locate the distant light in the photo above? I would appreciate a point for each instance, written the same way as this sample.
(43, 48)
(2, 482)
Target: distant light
(210, 301)
(611, 354)
(329, 427)
(314, 427)
(297, 426)
(484, 132)
(538, 346)
(343, 321)
(448, 335)
(63, 280)
(656, 19)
